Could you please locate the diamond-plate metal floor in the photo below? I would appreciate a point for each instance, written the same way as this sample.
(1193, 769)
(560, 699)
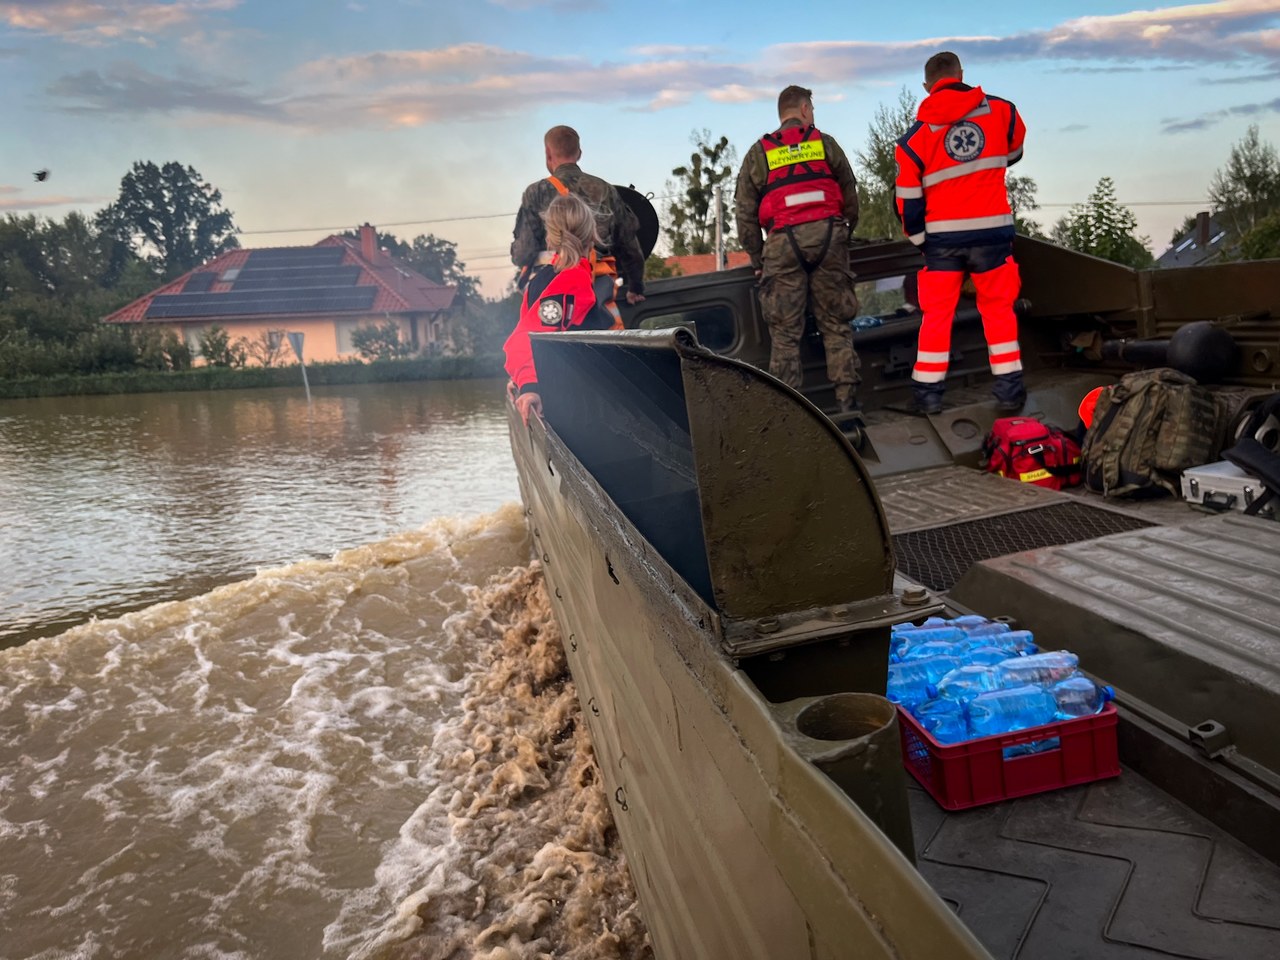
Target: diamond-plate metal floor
(930, 498)
(1115, 869)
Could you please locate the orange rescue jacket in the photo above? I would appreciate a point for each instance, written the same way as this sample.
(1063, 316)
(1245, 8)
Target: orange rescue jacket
(950, 187)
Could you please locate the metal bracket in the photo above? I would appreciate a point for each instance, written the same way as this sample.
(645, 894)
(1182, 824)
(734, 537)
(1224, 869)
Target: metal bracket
(1210, 737)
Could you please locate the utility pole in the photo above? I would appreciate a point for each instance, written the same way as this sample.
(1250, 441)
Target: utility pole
(719, 228)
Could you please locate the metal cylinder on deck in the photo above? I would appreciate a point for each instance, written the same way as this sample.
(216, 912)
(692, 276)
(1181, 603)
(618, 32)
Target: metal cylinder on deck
(853, 738)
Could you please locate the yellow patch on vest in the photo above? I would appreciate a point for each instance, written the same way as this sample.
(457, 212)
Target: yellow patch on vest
(795, 153)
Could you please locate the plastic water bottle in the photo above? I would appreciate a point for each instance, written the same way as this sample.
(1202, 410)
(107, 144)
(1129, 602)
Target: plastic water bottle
(1044, 669)
(908, 682)
(944, 720)
(1079, 696)
(902, 638)
(931, 648)
(1013, 708)
(1017, 642)
(965, 682)
(976, 626)
(986, 656)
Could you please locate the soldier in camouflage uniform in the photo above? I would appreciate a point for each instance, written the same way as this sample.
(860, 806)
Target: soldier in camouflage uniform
(619, 253)
(797, 184)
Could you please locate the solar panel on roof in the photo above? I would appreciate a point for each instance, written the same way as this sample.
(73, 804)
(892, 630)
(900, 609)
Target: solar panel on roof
(199, 282)
(256, 303)
(285, 277)
(299, 255)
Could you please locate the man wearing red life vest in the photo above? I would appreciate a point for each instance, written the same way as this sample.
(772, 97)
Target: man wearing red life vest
(952, 202)
(796, 183)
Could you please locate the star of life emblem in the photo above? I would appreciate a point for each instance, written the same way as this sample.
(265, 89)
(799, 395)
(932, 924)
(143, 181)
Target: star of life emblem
(550, 312)
(964, 141)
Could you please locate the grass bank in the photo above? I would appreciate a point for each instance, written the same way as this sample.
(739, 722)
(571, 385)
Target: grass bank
(240, 378)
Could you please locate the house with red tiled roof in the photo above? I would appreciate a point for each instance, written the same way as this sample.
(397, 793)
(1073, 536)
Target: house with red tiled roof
(325, 292)
(705, 262)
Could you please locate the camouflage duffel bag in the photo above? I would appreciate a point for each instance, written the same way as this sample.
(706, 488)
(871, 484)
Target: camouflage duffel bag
(1146, 430)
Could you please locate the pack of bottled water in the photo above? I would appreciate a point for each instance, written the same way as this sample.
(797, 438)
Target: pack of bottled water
(969, 677)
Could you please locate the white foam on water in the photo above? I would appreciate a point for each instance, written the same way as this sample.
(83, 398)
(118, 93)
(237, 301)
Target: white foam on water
(236, 775)
(379, 756)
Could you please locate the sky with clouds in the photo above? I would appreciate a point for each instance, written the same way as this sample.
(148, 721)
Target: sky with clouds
(427, 116)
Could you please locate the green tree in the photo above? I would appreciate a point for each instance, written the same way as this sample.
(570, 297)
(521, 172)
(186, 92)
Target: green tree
(437, 260)
(1247, 189)
(379, 341)
(171, 216)
(267, 347)
(1103, 227)
(1022, 200)
(219, 350)
(655, 268)
(877, 171)
(488, 324)
(1263, 241)
(691, 213)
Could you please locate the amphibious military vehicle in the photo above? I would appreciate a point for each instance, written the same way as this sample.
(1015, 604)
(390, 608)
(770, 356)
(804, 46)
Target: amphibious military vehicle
(726, 561)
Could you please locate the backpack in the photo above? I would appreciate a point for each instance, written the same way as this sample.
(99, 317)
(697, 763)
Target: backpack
(1146, 430)
(1033, 452)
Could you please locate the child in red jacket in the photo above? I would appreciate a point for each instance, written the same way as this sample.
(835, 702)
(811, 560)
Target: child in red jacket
(557, 297)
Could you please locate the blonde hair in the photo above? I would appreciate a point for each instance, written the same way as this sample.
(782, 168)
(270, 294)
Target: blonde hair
(571, 230)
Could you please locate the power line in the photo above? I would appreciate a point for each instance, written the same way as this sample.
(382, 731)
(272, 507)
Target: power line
(1136, 203)
(401, 223)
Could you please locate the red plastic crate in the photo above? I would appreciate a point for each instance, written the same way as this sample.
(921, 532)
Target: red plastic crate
(974, 772)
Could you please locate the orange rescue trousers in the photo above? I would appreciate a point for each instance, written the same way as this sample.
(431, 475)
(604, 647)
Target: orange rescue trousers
(939, 292)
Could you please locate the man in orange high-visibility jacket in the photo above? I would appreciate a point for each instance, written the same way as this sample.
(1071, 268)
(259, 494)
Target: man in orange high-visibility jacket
(952, 201)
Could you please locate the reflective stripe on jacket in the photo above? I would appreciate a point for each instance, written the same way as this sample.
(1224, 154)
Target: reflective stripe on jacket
(800, 186)
(950, 186)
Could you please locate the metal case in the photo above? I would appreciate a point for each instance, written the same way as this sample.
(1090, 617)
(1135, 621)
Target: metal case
(1223, 486)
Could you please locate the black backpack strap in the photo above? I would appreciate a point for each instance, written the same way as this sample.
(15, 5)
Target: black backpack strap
(822, 254)
(1249, 454)
(1259, 414)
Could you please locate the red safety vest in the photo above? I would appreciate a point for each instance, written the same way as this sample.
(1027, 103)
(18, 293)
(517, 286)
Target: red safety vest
(800, 187)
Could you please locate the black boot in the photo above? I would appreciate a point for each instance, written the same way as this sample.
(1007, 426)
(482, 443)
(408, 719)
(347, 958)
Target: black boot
(1009, 392)
(928, 397)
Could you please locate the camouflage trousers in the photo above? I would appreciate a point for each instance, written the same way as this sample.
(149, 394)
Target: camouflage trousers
(788, 291)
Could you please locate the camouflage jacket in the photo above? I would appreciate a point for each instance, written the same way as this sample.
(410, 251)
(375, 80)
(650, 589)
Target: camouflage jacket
(751, 181)
(617, 224)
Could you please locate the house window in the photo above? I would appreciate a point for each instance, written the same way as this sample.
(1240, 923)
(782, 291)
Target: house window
(229, 274)
(713, 325)
(275, 338)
